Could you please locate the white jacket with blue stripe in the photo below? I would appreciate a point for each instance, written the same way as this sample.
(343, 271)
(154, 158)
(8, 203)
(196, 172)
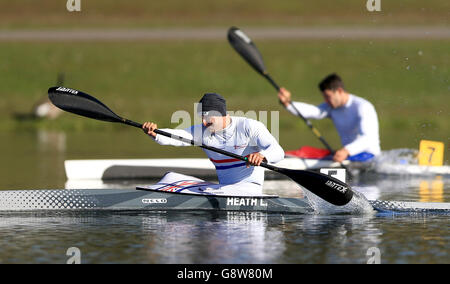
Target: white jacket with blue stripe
(243, 136)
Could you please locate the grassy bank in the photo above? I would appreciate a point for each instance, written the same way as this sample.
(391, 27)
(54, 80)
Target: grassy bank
(408, 82)
(52, 14)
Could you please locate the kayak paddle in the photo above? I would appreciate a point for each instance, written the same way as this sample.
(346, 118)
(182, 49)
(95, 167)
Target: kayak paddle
(328, 188)
(248, 50)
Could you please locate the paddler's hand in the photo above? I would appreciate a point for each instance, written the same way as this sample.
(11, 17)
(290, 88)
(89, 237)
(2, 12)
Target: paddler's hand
(149, 128)
(255, 159)
(341, 155)
(285, 97)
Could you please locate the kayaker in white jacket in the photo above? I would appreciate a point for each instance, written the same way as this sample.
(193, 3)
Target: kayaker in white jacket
(239, 135)
(355, 118)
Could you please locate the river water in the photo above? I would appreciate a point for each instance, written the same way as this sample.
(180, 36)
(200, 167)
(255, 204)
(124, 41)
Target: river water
(35, 160)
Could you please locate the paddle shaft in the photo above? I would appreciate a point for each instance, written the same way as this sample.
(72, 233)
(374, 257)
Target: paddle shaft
(192, 142)
(250, 53)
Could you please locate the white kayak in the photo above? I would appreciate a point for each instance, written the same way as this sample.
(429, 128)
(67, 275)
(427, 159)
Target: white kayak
(116, 169)
(155, 168)
(179, 192)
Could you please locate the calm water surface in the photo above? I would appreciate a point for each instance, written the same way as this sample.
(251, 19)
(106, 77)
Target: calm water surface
(35, 160)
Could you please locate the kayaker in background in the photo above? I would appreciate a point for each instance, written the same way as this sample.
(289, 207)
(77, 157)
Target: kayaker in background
(355, 118)
(239, 135)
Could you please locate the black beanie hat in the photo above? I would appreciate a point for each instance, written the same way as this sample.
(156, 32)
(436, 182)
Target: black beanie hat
(212, 102)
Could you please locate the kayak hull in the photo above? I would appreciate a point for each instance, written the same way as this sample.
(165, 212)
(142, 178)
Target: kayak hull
(147, 200)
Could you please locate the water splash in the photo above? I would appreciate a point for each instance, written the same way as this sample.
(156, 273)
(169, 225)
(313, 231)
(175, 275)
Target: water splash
(401, 156)
(359, 205)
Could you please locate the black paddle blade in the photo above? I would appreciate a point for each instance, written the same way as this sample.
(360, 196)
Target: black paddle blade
(326, 187)
(245, 47)
(82, 104)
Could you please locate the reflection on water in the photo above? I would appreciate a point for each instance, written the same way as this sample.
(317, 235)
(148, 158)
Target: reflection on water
(232, 237)
(51, 141)
(407, 188)
(432, 191)
(32, 159)
(205, 237)
(35, 160)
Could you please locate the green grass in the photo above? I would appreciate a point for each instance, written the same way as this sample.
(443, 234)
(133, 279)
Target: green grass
(408, 82)
(52, 14)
